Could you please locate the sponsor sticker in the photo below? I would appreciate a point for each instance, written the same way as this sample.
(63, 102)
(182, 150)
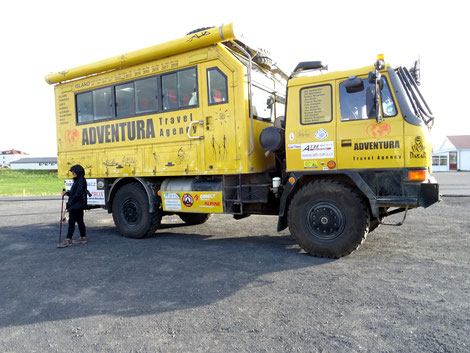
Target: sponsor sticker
(321, 134)
(187, 200)
(310, 164)
(97, 196)
(293, 146)
(291, 136)
(317, 150)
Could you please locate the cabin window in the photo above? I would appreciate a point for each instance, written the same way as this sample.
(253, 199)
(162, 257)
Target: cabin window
(217, 86)
(146, 95)
(103, 107)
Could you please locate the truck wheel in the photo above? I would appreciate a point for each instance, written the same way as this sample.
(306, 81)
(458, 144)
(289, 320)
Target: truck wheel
(131, 212)
(194, 218)
(328, 218)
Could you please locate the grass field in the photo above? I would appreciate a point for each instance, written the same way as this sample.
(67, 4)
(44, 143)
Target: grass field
(29, 183)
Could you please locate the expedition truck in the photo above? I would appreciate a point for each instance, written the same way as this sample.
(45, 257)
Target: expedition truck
(206, 124)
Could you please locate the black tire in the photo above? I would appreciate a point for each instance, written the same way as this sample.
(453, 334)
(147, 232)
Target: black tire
(328, 218)
(374, 224)
(131, 212)
(194, 218)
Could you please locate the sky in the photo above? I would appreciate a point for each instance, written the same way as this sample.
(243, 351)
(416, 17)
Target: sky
(39, 37)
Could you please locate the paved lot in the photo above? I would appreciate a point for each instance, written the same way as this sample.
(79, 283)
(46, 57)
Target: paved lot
(232, 286)
(452, 184)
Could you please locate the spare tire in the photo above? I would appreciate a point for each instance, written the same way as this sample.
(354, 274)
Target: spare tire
(263, 59)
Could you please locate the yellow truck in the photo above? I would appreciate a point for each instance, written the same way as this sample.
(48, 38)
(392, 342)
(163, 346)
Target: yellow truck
(206, 124)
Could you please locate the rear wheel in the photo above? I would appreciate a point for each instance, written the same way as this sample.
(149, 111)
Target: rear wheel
(131, 212)
(328, 218)
(194, 218)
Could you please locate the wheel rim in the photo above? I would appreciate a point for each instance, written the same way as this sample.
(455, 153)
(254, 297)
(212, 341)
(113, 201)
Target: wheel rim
(131, 212)
(325, 221)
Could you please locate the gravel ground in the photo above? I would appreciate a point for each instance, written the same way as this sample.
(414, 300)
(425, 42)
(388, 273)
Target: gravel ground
(232, 286)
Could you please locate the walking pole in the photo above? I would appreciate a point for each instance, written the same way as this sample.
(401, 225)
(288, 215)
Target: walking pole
(61, 217)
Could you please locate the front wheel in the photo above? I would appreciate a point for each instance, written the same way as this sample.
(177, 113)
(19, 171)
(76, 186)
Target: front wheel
(131, 212)
(328, 218)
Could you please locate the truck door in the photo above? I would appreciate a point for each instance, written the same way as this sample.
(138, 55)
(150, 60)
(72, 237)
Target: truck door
(362, 142)
(220, 147)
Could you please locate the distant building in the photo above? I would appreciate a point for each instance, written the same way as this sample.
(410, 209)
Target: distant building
(39, 163)
(6, 157)
(452, 155)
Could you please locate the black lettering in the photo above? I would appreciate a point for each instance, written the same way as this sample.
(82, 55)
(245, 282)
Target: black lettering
(100, 131)
(161, 132)
(92, 135)
(131, 131)
(150, 129)
(115, 132)
(174, 131)
(185, 119)
(356, 147)
(161, 121)
(107, 134)
(376, 145)
(172, 120)
(178, 119)
(140, 129)
(123, 131)
(181, 131)
(85, 137)
(167, 132)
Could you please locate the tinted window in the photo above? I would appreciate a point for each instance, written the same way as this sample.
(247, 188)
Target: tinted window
(353, 105)
(103, 103)
(125, 100)
(84, 107)
(170, 91)
(146, 95)
(187, 84)
(217, 86)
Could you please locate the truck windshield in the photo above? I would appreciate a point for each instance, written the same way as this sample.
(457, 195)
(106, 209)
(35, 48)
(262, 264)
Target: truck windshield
(414, 98)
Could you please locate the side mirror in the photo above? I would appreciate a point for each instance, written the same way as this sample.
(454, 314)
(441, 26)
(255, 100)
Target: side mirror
(371, 102)
(373, 75)
(354, 84)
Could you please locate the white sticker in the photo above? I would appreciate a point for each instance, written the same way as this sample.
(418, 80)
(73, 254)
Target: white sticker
(293, 146)
(317, 150)
(291, 136)
(172, 204)
(321, 134)
(97, 196)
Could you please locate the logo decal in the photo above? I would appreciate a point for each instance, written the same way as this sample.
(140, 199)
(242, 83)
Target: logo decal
(321, 134)
(187, 200)
(418, 150)
(378, 130)
(71, 136)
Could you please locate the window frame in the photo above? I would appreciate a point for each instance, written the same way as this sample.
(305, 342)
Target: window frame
(216, 68)
(159, 109)
(365, 86)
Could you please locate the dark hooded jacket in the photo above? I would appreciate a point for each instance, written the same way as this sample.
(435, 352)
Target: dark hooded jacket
(78, 193)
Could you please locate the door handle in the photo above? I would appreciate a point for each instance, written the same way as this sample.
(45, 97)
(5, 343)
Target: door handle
(346, 143)
(200, 122)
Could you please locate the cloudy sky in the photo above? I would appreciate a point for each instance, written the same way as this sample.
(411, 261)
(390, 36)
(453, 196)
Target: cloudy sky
(38, 37)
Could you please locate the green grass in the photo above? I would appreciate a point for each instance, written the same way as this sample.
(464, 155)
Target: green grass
(29, 183)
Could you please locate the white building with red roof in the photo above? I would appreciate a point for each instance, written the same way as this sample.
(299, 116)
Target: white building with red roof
(8, 156)
(452, 155)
